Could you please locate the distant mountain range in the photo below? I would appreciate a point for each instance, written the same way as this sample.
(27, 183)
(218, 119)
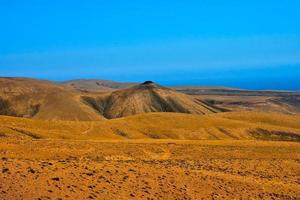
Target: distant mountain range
(96, 85)
(102, 99)
(91, 99)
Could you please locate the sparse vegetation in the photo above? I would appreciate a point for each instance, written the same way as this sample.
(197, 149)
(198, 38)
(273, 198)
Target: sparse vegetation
(229, 125)
(263, 134)
(6, 108)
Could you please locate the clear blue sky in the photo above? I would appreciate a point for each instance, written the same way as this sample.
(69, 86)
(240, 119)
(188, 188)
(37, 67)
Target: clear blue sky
(251, 44)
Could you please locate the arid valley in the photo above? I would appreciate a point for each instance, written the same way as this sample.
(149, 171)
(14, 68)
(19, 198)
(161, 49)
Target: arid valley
(90, 139)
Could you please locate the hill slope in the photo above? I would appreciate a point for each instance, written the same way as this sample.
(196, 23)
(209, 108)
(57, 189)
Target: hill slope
(24, 97)
(220, 126)
(38, 99)
(96, 85)
(144, 98)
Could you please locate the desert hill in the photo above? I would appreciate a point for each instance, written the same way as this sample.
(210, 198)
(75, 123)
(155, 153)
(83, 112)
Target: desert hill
(222, 97)
(93, 85)
(178, 126)
(39, 99)
(144, 98)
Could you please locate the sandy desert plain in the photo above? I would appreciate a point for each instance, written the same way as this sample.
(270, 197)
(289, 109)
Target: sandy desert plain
(146, 142)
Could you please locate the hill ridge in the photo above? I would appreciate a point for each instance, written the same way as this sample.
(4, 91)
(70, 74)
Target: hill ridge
(146, 97)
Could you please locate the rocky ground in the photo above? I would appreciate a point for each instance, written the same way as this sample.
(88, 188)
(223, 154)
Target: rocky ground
(61, 169)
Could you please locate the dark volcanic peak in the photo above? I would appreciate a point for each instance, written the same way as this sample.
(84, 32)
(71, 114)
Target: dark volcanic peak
(147, 82)
(147, 85)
